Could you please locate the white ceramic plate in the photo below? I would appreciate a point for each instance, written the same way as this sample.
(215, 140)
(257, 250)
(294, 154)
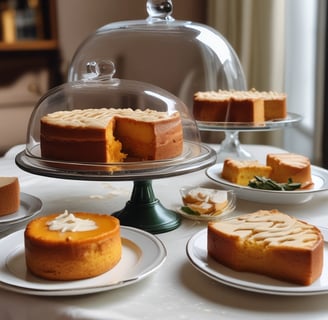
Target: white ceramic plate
(29, 207)
(197, 254)
(319, 177)
(142, 254)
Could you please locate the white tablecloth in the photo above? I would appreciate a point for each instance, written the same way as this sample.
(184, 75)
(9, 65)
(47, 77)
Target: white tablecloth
(175, 291)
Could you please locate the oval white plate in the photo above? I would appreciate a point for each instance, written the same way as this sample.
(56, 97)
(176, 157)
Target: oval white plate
(197, 253)
(319, 177)
(142, 254)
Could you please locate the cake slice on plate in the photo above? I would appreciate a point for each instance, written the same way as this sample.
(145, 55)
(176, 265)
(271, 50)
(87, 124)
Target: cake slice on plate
(270, 243)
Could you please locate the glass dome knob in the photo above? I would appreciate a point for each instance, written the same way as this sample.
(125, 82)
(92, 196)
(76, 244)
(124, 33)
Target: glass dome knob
(101, 70)
(159, 9)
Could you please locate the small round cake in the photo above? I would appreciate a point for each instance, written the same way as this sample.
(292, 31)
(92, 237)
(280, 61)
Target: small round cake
(9, 195)
(72, 246)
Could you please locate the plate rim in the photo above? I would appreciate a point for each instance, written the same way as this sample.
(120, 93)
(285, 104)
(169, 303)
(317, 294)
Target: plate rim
(247, 285)
(126, 232)
(316, 171)
(230, 208)
(290, 119)
(24, 198)
(199, 155)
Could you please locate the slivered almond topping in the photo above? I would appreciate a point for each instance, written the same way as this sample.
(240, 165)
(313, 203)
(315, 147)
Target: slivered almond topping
(238, 94)
(293, 159)
(101, 117)
(271, 228)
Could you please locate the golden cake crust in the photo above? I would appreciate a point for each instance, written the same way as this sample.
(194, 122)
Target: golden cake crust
(270, 243)
(239, 106)
(290, 166)
(9, 195)
(111, 135)
(246, 110)
(71, 255)
(209, 109)
(242, 171)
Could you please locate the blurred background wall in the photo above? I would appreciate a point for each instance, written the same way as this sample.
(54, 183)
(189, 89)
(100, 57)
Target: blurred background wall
(32, 61)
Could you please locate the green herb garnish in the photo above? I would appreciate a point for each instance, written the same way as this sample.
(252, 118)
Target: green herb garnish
(268, 184)
(190, 211)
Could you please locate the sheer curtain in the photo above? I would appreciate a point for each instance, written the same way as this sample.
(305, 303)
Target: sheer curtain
(278, 48)
(305, 44)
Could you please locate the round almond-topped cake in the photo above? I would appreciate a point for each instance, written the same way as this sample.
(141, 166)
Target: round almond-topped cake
(72, 246)
(111, 135)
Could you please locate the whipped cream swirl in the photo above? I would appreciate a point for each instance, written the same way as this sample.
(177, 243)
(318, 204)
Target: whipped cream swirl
(68, 222)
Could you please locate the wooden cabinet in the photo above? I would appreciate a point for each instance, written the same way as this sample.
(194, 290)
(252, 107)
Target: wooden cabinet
(38, 43)
(28, 25)
(29, 65)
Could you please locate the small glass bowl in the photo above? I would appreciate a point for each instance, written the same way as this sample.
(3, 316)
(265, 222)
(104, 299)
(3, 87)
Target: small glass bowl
(187, 212)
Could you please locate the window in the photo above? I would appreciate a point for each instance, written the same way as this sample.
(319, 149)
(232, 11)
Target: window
(303, 92)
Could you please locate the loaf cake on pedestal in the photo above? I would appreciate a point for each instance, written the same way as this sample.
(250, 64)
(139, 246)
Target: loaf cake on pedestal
(239, 106)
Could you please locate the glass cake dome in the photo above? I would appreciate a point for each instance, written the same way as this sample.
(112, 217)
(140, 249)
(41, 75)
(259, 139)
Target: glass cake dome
(100, 89)
(182, 57)
(159, 63)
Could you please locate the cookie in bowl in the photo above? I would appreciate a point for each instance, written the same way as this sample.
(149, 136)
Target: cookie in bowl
(201, 203)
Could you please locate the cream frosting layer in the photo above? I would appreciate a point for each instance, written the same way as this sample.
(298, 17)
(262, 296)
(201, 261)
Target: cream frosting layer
(271, 228)
(99, 118)
(236, 94)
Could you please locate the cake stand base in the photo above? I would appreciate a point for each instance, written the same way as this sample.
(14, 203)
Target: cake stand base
(231, 148)
(144, 211)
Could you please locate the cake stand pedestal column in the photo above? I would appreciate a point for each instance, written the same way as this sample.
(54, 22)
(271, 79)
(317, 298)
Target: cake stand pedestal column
(231, 148)
(144, 211)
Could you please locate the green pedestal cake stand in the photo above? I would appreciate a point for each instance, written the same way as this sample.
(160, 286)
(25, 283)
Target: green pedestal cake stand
(145, 211)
